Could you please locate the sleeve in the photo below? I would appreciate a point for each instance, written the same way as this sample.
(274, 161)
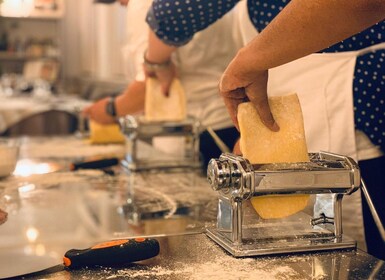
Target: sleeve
(176, 21)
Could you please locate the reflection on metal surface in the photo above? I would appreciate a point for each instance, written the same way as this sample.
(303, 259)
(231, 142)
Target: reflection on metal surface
(377, 269)
(27, 167)
(32, 234)
(26, 188)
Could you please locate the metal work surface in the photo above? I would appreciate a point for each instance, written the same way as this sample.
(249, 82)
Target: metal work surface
(197, 257)
(47, 217)
(51, 210)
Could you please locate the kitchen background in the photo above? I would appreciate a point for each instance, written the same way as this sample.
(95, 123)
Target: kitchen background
(74, 45)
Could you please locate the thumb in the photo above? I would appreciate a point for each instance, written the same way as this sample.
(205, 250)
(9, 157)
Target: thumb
(166, 86)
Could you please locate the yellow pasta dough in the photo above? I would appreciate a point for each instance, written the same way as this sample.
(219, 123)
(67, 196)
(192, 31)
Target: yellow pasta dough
(105, 134)
(261, 145)
(158, 107)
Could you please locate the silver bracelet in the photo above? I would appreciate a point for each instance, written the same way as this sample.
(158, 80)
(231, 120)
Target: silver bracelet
(153, 66)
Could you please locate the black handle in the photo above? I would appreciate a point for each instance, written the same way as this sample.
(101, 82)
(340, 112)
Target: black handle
(95, 164)
(116, 252)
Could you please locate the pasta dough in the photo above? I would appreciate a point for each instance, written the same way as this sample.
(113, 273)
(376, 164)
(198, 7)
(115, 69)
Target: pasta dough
(161, 108)
(261, 145)
(105, 134)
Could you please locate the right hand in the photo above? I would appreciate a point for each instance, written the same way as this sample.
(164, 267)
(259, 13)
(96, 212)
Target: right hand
(237, 148)
(240, 83)
(165, 77)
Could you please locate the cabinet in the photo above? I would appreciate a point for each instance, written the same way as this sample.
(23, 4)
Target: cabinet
(30, 38)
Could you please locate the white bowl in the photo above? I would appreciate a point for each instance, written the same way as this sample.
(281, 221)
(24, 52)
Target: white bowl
(9, 154)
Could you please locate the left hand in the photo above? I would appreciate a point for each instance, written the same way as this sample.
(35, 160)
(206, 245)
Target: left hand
(97, 112)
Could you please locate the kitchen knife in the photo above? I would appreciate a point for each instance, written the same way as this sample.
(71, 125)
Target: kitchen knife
(16, 263)
(116, 252)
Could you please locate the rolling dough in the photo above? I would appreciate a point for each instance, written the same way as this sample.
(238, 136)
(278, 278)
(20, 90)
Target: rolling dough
(260, 145)
(105, 134)
(161, 108)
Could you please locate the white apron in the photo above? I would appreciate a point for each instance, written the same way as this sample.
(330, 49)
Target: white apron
(324, 84)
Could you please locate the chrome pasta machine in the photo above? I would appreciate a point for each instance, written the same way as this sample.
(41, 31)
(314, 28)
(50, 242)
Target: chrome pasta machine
(160, 145)
(327, 178)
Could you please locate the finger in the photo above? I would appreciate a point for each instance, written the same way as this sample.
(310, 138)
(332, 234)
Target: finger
(232, 99)
(229, 83)
(259, 98)
(166, 89)
(237, 148)
(166, 78)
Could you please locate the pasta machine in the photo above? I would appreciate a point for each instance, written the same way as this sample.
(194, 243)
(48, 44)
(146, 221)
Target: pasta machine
(318, 227)
(180, 147)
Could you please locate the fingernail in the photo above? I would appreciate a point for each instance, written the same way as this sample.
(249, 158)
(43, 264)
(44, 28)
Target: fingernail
(275, 127)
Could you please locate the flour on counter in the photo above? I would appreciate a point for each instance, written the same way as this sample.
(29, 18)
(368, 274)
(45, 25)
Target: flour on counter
(68, 147)
(228, 268)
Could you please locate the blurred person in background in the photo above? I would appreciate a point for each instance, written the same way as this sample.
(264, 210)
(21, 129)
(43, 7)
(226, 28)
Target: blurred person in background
(198, 65)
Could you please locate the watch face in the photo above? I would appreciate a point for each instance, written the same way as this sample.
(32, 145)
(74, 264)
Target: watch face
(110, 107)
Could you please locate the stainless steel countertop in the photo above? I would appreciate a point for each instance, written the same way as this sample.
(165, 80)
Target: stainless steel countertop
(52, 213)
(197, 257)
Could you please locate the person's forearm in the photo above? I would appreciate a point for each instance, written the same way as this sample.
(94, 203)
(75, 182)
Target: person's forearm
(304, 27)
(157, 51)
(132, 100)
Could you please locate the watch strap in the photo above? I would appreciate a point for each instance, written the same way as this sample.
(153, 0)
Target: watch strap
(111, 107)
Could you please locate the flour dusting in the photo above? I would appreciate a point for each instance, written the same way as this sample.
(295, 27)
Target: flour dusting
(221, 268)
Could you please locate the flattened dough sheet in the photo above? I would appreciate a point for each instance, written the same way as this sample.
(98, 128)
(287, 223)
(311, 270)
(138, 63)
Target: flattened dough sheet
(158, 107)
(261, 145)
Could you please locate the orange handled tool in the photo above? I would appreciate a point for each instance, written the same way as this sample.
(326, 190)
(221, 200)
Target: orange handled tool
(117, 252)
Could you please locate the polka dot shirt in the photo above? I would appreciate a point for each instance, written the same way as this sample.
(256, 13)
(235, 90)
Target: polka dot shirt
(176, 22)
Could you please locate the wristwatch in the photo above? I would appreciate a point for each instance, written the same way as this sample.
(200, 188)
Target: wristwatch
(111, 107)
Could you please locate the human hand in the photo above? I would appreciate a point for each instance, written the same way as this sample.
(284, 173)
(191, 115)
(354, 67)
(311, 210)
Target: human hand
(237, 148)
(98, 113)
(240, 83)
(165, 75)
(3, 216)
